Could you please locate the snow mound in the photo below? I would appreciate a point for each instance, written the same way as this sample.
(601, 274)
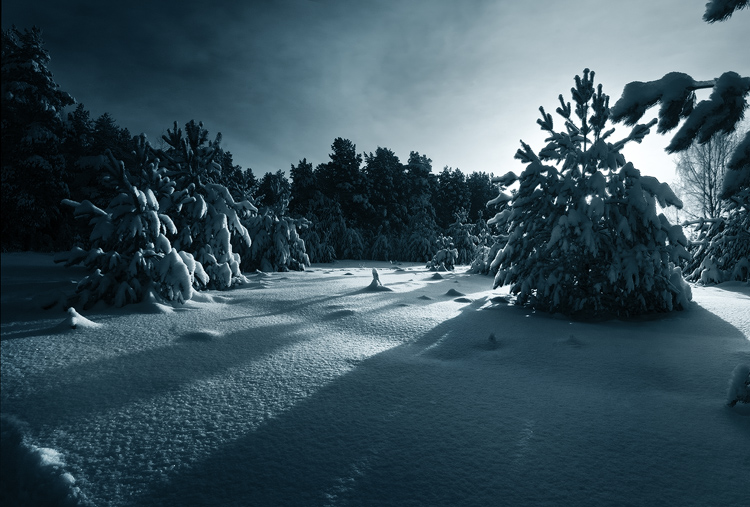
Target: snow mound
(462, 300)
(437, 276)
(454, 293)
(75, 320)
(570, 341)
(202, 335)
(33, 475)
(151, 305)
(207, 297)
(375, 287)
(462, 347)
(338, 314)
(493, 342)
(426, 298)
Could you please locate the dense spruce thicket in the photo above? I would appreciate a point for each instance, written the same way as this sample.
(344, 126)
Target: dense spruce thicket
(137, 216)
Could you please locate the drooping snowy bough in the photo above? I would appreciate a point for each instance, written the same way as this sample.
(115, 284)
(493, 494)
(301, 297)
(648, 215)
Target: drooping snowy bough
(584, 233)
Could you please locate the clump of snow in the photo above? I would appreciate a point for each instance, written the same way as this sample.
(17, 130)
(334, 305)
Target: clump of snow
(31, 475)
(376, 285)
(75, 320)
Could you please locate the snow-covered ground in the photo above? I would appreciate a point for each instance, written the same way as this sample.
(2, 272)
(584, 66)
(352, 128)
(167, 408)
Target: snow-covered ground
(312, 389)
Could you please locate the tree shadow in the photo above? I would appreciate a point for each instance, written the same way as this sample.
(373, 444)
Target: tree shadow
(106, 384)
(400, 428)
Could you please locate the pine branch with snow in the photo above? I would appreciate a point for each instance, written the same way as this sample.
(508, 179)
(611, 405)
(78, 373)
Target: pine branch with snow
(721, 10)
(721, 112)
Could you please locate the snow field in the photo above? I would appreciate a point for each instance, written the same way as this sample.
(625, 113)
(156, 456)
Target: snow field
(304, 388)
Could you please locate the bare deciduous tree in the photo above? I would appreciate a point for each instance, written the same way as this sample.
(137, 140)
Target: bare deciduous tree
(701, 169)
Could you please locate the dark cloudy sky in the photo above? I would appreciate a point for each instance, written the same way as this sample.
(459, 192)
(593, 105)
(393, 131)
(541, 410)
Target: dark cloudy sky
(459, 81)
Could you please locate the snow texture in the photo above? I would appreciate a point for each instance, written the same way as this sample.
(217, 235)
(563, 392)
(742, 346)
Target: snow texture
(300, 388)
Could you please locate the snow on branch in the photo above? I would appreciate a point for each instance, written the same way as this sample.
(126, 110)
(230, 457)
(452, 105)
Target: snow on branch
(675, 91)
(720, 113)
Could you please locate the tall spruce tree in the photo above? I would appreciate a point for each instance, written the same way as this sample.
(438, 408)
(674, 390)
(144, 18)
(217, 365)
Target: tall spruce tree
(33, 166)
(303, 188)
(387, 195)
(450, 195)
(585, 236)
(274, 193)
(342, 180)
(481, 191)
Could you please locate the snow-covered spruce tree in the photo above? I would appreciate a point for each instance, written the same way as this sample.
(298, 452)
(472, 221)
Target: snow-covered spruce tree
(276, 244)
(421, 242)
(446, 256)
(317, 244)
(724, 242)
(382, 248)
(464, 241)
(130, 253)
(209, 219)
(489, 244)
(585, 237)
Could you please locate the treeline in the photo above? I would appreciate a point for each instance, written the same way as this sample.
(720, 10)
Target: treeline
(355, 205)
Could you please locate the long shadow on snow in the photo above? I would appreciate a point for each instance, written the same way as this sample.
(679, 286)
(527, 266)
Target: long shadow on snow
(124, 379)
(400, 429)
(127, 378)
(306, 455)
(290, 306)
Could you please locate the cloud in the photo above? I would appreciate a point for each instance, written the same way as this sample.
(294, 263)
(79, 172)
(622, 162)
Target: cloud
(458, 81)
